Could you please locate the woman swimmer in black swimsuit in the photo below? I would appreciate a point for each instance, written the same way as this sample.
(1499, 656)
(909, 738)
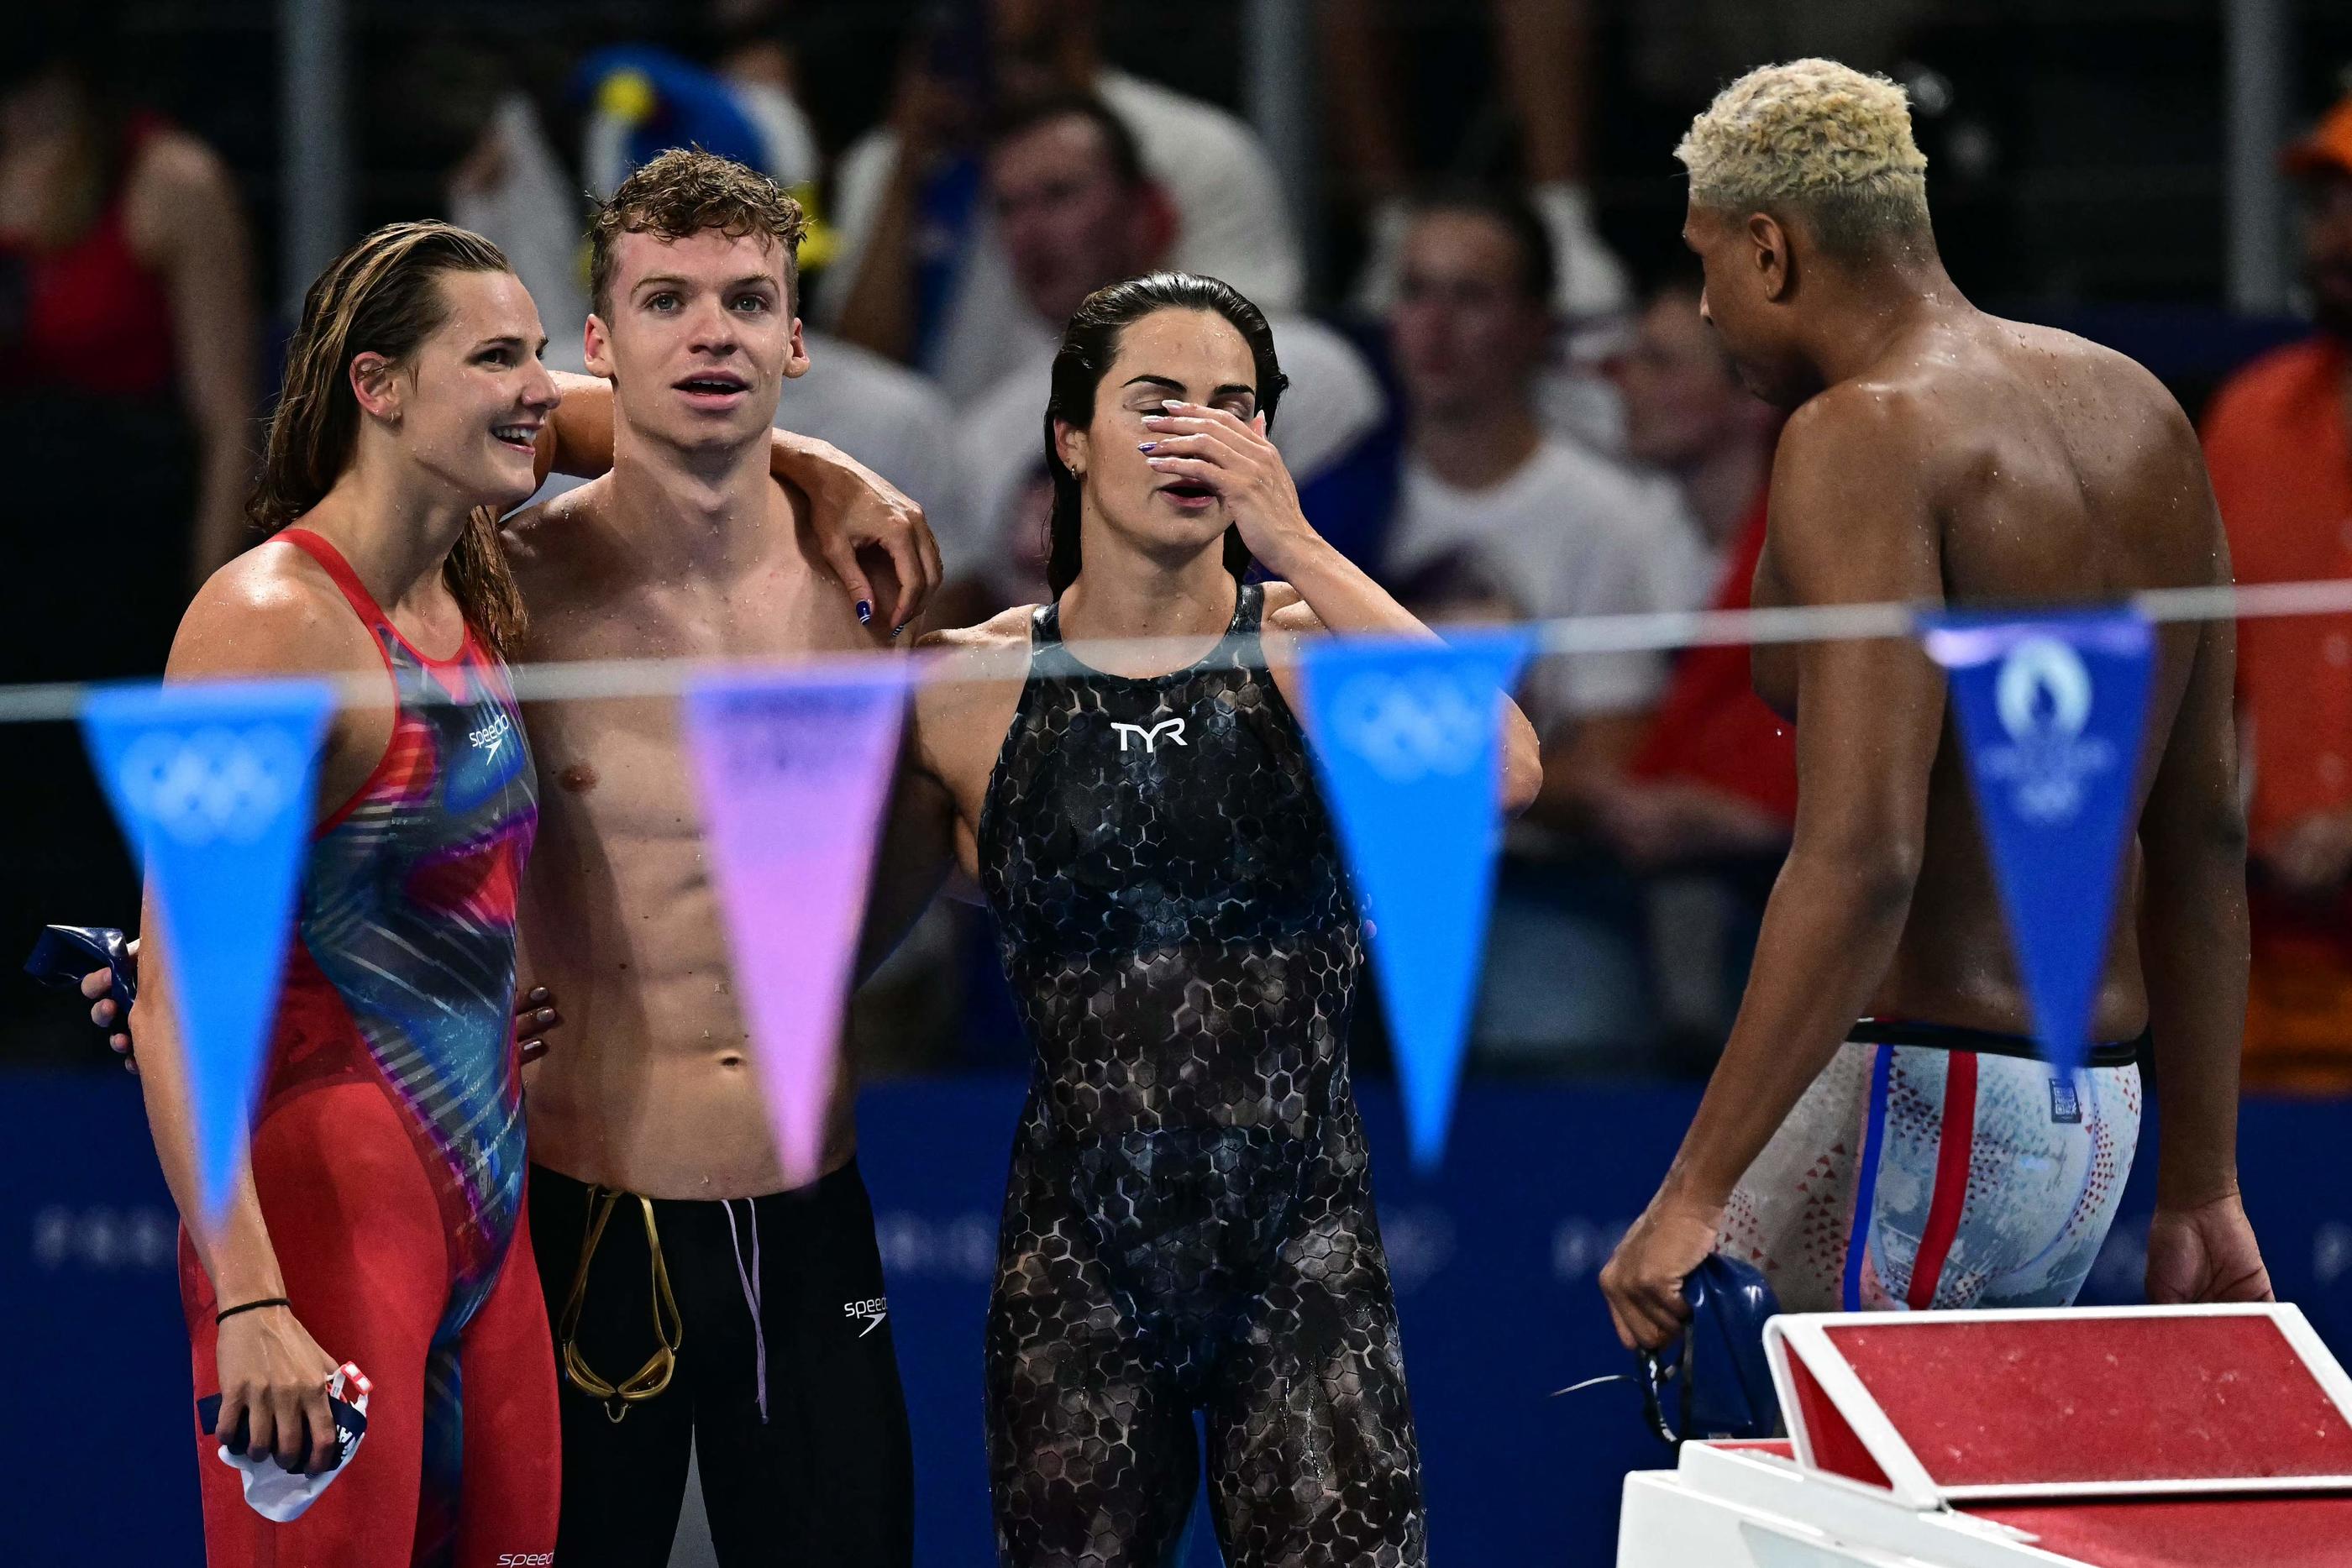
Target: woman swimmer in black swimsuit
(1188, 1224)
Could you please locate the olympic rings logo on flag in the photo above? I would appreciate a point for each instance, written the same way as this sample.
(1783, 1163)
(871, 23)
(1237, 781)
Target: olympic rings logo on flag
(213, 783)
(1410, 728)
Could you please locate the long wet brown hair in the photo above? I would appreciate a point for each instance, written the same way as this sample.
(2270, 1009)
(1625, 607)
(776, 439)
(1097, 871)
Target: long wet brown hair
(383, 295)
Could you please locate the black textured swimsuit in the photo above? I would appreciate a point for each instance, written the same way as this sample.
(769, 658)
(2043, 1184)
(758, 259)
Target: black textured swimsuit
(1188, 1221)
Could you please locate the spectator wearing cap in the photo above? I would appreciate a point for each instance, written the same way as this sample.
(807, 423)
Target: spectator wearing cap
(1076, 209)
(2278, 442)
(922, 275)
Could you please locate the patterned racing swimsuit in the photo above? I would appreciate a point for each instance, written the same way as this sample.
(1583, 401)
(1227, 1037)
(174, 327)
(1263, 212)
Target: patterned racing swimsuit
(1931, 1167)
(388, 1153)
(1188, 1221)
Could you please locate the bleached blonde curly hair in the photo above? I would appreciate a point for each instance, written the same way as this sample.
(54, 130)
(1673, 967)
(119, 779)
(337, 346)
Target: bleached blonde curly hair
(1816, 139)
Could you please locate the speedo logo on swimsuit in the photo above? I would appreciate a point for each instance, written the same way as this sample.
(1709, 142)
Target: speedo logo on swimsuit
(493, 735)
(526, 1560)
(1171, 730)
(870, 1312)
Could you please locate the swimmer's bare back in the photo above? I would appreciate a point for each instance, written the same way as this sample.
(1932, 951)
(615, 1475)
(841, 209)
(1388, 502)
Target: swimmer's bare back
(647, 1087)
(1971, 461)
(1940, 455)
(1983, 462)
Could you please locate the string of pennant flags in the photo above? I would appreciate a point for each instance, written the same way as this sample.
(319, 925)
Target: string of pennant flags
(53, 701)
(212, 785)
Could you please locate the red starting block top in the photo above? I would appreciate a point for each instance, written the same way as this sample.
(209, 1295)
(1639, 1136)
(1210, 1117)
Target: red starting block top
(2293, 1531)
(2133, 1437)
(2081, 1403)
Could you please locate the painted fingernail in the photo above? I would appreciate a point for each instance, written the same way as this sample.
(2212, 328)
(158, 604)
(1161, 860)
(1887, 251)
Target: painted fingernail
(544, 1017)
(1170, 402)
(865, 613)
(1147, 446)
(539, 993)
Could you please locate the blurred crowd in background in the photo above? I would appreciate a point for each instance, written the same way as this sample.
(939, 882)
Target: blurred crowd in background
(1503, 400)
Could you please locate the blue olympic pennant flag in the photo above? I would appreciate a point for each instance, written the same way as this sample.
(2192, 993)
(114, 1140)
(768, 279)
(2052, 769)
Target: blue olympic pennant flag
(2051, 710)
(212, 785)
(1407, 738)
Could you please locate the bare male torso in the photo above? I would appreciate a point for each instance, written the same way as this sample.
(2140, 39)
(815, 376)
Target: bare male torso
(648, 1087)
(2051, 470)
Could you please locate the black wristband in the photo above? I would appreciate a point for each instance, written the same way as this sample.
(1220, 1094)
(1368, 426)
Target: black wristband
(225, 1313)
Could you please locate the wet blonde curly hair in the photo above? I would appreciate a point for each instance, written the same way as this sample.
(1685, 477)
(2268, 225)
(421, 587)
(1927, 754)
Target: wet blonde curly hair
(1815, 140)
(686, 191)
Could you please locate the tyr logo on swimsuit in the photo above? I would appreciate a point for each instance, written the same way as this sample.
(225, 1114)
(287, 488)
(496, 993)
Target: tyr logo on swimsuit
(870, 1312)
(1168, 730)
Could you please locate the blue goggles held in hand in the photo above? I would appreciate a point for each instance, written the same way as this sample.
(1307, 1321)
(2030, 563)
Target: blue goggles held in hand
(1726, 1383)
(66, 952)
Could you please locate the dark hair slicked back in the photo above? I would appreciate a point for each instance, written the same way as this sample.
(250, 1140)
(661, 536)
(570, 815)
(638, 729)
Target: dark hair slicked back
(1089, 344)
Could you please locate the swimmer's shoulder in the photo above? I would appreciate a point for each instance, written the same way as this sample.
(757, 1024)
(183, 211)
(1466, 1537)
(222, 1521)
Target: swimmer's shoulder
(1287, 610)
(968, 690)
(1005, 626)
(1871, 447)
(549, 544)
(1894, 418)
(2111, 369)
(993, 649)
(2124, 404)
(273, 609)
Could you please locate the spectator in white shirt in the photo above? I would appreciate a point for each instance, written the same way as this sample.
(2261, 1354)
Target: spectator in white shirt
(922, 276)
(1076, 210)
(1487, 495)
(1491, 509)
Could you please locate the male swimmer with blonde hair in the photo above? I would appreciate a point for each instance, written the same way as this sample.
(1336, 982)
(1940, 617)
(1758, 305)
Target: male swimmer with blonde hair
(1936, 453)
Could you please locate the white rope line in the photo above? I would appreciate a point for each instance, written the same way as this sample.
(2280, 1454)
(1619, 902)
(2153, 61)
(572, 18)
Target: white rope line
(56, 701)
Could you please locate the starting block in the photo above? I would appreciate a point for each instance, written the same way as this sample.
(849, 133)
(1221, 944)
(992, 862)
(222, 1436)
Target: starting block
(2209, 1437)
